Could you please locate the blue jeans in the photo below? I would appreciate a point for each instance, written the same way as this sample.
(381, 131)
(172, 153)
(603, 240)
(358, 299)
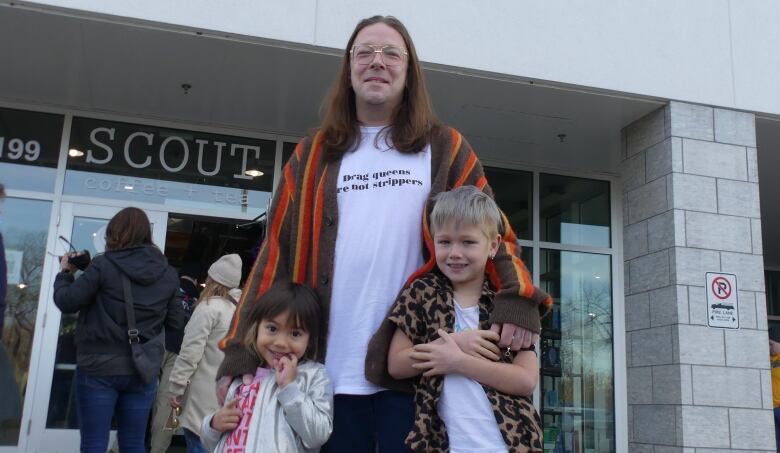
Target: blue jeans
(371, 423)
(777, 427)
(99, 398)
(194, 445)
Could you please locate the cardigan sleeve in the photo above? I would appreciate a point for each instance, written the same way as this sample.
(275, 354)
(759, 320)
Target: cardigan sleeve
(271, 265)
(517, 300)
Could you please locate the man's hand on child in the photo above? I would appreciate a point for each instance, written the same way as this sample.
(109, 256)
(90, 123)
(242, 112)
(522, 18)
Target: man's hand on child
(438, 357)
(515, 337)
(286, 370)
(228, 417)
(477, 343)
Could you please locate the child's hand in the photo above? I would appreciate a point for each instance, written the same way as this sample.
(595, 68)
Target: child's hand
(438, 357)
(286, 370)
(228, 417)
(477, 343)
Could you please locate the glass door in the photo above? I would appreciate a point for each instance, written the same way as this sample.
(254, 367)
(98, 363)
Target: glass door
(53, 423)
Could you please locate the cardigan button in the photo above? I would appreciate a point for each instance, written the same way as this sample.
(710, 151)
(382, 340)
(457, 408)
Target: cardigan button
(324, 279)
(328, 220)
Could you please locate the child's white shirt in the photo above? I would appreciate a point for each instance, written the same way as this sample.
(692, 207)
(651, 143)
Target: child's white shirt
(463, 405)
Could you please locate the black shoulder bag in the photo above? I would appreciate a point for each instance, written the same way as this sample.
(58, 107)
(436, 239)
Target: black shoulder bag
(148, 356)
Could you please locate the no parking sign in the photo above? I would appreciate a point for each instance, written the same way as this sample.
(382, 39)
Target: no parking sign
(722, 301)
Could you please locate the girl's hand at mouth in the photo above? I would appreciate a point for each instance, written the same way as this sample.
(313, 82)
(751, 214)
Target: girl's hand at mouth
(286, 369)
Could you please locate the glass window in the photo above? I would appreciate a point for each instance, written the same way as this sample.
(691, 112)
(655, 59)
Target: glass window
(574, 210)
(772, 279)
(24, 225)
(29, 149)
(62, 402)
(577, 388)
(514, 194)
(150, 164)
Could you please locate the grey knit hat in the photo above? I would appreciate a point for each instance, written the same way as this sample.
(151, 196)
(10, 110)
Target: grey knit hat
(227, 271)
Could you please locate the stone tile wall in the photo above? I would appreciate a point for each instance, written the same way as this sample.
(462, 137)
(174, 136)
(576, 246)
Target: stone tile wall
(690, 186)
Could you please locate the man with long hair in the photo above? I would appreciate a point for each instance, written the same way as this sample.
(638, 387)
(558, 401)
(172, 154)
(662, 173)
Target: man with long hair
(349, 217)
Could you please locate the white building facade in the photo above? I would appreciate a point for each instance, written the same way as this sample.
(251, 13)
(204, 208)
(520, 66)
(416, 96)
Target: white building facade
(632, 145)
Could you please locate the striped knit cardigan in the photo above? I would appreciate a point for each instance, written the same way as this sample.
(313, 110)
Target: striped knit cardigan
(301, 240)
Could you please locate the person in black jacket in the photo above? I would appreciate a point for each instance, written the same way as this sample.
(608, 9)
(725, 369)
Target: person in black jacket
(107, 381)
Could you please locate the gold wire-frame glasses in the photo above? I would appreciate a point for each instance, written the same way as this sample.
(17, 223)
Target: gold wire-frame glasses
(391, 56)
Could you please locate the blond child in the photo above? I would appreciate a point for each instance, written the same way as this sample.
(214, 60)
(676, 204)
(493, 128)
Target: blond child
(288, 405)
(469, 396)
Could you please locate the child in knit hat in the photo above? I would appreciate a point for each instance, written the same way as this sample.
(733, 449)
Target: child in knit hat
(191, 385)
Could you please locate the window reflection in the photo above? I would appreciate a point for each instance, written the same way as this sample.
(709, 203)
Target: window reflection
(62, 402)
(577, 385)
(24, 225)
(181, 194)
(574, 210)
(513, 191)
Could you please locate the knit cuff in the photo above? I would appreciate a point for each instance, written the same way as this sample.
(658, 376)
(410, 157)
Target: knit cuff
(515, 310)
(238, 360)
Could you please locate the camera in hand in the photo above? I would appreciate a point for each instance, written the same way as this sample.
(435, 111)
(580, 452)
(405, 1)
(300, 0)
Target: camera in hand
(80, 259)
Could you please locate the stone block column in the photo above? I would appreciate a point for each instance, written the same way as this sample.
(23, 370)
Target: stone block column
(690, 184)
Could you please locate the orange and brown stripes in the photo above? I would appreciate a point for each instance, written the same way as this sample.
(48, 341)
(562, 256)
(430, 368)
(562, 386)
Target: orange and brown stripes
(471, 162)
(299, 151)
(305, 212)
(456, 141)
(492, 273)
(509, 239)
(318, 215)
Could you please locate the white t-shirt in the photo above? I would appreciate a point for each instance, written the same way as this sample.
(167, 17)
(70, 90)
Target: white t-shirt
(464, 407)
(381, 197)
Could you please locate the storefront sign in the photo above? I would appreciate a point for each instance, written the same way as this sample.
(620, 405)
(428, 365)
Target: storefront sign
(171, 154)
(30, 138)
(722, 300)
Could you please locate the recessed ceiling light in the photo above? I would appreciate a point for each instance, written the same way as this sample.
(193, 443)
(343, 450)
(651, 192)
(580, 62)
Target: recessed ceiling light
(128, 187)
(73, 152)
(254, 173)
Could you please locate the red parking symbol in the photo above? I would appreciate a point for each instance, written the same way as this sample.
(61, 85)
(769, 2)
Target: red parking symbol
(721, 288)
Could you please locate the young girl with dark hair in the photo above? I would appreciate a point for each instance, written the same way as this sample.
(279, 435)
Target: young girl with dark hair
(288, 404)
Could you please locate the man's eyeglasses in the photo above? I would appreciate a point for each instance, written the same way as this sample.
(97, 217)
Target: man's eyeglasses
(391, 56)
